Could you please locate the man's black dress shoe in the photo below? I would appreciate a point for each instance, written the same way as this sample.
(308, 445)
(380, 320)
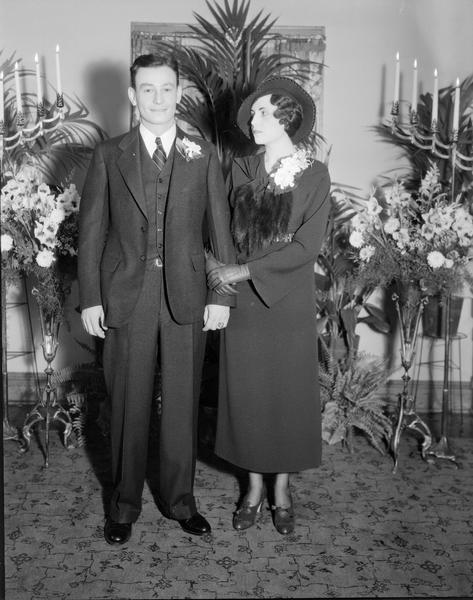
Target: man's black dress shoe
(116, 533)
(196, 525)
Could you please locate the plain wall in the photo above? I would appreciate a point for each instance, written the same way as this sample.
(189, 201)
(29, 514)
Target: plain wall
(363, 37)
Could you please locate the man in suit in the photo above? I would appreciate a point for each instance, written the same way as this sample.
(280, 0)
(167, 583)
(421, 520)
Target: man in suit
(148, 198)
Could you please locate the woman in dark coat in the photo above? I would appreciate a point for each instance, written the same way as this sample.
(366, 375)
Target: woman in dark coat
(269, 408)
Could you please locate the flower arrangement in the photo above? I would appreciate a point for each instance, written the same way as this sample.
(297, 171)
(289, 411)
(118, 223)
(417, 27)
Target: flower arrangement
(284, 175)
(39, 228)
(420, 239)
(188, 149)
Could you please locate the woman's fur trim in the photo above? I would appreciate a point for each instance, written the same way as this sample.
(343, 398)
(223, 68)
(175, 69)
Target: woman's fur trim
(259, 216)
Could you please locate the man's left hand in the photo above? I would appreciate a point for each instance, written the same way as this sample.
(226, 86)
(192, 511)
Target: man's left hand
(215, 317)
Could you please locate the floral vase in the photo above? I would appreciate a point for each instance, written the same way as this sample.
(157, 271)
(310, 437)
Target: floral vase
(48, 408)
(49, 334)
(409, 302)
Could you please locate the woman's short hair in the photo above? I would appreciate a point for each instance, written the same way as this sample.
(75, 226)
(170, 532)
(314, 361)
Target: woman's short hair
(153, 60)
(288, 111)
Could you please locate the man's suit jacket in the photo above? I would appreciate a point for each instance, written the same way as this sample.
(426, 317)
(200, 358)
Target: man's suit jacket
(113, 230)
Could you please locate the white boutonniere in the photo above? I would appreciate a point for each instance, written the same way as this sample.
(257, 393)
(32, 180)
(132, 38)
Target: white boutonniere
(188, 149)
(288, 170)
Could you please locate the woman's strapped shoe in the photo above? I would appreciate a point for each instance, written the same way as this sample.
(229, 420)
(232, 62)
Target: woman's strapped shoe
(283, 518)
(246, 515)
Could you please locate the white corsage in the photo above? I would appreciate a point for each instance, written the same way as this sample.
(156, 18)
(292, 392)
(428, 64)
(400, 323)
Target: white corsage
(288, 170)
(188, 149)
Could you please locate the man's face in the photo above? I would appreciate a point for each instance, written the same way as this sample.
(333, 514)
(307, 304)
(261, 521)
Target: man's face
(156, 95)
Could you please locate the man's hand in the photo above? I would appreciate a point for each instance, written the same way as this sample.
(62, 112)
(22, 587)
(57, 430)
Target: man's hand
(215, 317)
(221, 278)
(93, 321)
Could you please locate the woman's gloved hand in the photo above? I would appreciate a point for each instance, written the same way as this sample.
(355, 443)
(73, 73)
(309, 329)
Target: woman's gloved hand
(222, 278)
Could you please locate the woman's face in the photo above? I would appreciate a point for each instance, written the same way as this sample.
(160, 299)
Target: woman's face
(265, 127)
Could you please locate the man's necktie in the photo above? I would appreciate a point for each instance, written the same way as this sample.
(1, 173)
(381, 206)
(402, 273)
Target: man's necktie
(159, 156)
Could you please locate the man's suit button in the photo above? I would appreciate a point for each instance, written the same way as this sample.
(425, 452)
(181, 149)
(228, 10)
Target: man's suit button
(160, 180)
(142, 257)
(143, 229)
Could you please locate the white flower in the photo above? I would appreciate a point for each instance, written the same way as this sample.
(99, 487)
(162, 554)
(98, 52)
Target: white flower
(427, 231)
(57, 215)
(289, 167)
(45, 258)
(392, 225)
(358, 222)
(430, 183)
(6, 242)
(356, 239)
(373, 207)
(396, 195)
(191, 149)
(401, 237)
(69, 200)
(45, 233)
(366, 253)
(435, 259)
(448, 264)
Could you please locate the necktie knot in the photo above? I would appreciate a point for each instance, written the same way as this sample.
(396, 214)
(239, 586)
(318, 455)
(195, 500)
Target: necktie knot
(159, 156)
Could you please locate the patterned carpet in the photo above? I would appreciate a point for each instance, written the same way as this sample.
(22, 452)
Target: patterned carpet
(361, 532)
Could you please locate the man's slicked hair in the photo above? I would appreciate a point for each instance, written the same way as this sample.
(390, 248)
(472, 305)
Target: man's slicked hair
(153, 60)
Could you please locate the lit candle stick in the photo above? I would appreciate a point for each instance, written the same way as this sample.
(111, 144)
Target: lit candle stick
(456, 107)
(58, 72)
(414, 87)
(39, 94)
(396, 79)
(435, 100)
(19, 107)
(2, 109)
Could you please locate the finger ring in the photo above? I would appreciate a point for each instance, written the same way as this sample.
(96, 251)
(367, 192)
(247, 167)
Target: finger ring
(219, 325)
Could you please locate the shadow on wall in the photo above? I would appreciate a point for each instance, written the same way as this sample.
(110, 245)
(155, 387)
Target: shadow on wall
(107, 85)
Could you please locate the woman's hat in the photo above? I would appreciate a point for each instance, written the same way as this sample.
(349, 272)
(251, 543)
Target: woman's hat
(286, 87)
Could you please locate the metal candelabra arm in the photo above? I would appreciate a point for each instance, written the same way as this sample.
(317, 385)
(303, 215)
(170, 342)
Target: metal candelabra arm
(429, 141)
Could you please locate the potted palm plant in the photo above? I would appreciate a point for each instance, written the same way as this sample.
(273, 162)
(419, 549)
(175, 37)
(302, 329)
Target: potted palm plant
(224, 64)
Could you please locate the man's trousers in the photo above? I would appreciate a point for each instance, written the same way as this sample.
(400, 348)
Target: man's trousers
(130, 359)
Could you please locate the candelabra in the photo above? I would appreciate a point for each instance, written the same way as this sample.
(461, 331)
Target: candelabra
(430, 141)
(29, 134)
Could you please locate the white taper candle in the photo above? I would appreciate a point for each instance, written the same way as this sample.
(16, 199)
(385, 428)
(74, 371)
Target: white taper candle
(456, 107)
(2, 106)
(39, 94)
(19, 106)
(414, 87)
(435, 98)
(58, 72)
(397, 77)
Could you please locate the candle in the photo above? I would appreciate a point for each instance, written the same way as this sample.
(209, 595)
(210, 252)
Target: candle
(456, 107)
(396, 79)
(19, 107)
(2, 109)
(414, 87)
(435, 99)
(58, 72)
(39, 95)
